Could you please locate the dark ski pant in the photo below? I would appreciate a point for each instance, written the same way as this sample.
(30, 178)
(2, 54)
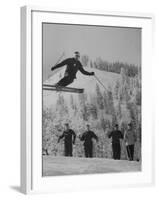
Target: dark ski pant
(130, 151)
(65, 81)
(116, 151)
(68, 149)
(88, 151)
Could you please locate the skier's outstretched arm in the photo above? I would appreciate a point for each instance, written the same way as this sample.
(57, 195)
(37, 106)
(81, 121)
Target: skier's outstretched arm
(135, 137)
(95, 137)
(109, 134)
(82, 137)
(60, 137)
(121, 135)
(74, 136)
(85, 72)
(59, 65)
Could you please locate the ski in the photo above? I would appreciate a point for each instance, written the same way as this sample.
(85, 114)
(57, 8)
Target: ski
(62, 89)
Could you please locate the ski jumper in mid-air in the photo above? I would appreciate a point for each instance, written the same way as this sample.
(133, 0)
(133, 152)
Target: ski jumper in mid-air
(73, 65)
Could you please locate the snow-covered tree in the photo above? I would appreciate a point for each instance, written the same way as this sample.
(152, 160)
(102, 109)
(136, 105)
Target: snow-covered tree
(99, 98)
(84, 60)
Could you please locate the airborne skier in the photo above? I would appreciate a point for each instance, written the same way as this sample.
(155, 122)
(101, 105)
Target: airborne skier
(73, 65)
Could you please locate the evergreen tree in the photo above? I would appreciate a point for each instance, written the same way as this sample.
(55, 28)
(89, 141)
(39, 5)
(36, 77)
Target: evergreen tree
(117, 90)
(119, 111)
(49, 135)
(85, 60)
(91, 64)
(61, 110)
(99, 98)
(83, 107)
(132, 107)
(111, 107)
(72, 103)
(125, 86)
(92, 110)
(106, 102)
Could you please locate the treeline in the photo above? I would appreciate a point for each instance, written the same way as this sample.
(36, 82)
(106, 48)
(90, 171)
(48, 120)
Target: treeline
(115, 67)
(121, 104)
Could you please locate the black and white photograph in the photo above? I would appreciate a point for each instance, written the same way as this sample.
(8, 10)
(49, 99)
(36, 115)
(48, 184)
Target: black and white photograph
(91, 99)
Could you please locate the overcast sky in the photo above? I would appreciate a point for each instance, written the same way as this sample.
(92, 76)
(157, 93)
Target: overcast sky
(110, 43)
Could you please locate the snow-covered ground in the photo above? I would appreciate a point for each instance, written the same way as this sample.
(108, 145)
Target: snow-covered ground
(56, 166)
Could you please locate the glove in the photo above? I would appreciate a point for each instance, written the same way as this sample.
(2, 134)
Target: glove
(92, 73)
(52, 68)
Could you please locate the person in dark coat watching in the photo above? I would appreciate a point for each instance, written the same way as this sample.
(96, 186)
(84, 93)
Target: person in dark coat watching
(73, 66)
(69, 139)
(88, 143)
(116, 135)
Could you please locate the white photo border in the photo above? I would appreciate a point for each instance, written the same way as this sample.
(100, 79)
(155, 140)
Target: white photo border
(31, 102)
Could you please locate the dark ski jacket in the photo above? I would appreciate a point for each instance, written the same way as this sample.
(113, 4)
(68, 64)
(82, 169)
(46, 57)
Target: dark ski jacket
(87, 138)
(116, 135)
(73, 66)
(69, 137)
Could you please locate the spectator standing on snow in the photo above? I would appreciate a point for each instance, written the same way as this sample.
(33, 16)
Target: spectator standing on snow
(130, 139)
(69, 139)
(116, 135)
(87, 137)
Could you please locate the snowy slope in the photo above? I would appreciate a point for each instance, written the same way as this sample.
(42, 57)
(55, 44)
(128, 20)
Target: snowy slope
(56, 166)
(87, 82)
